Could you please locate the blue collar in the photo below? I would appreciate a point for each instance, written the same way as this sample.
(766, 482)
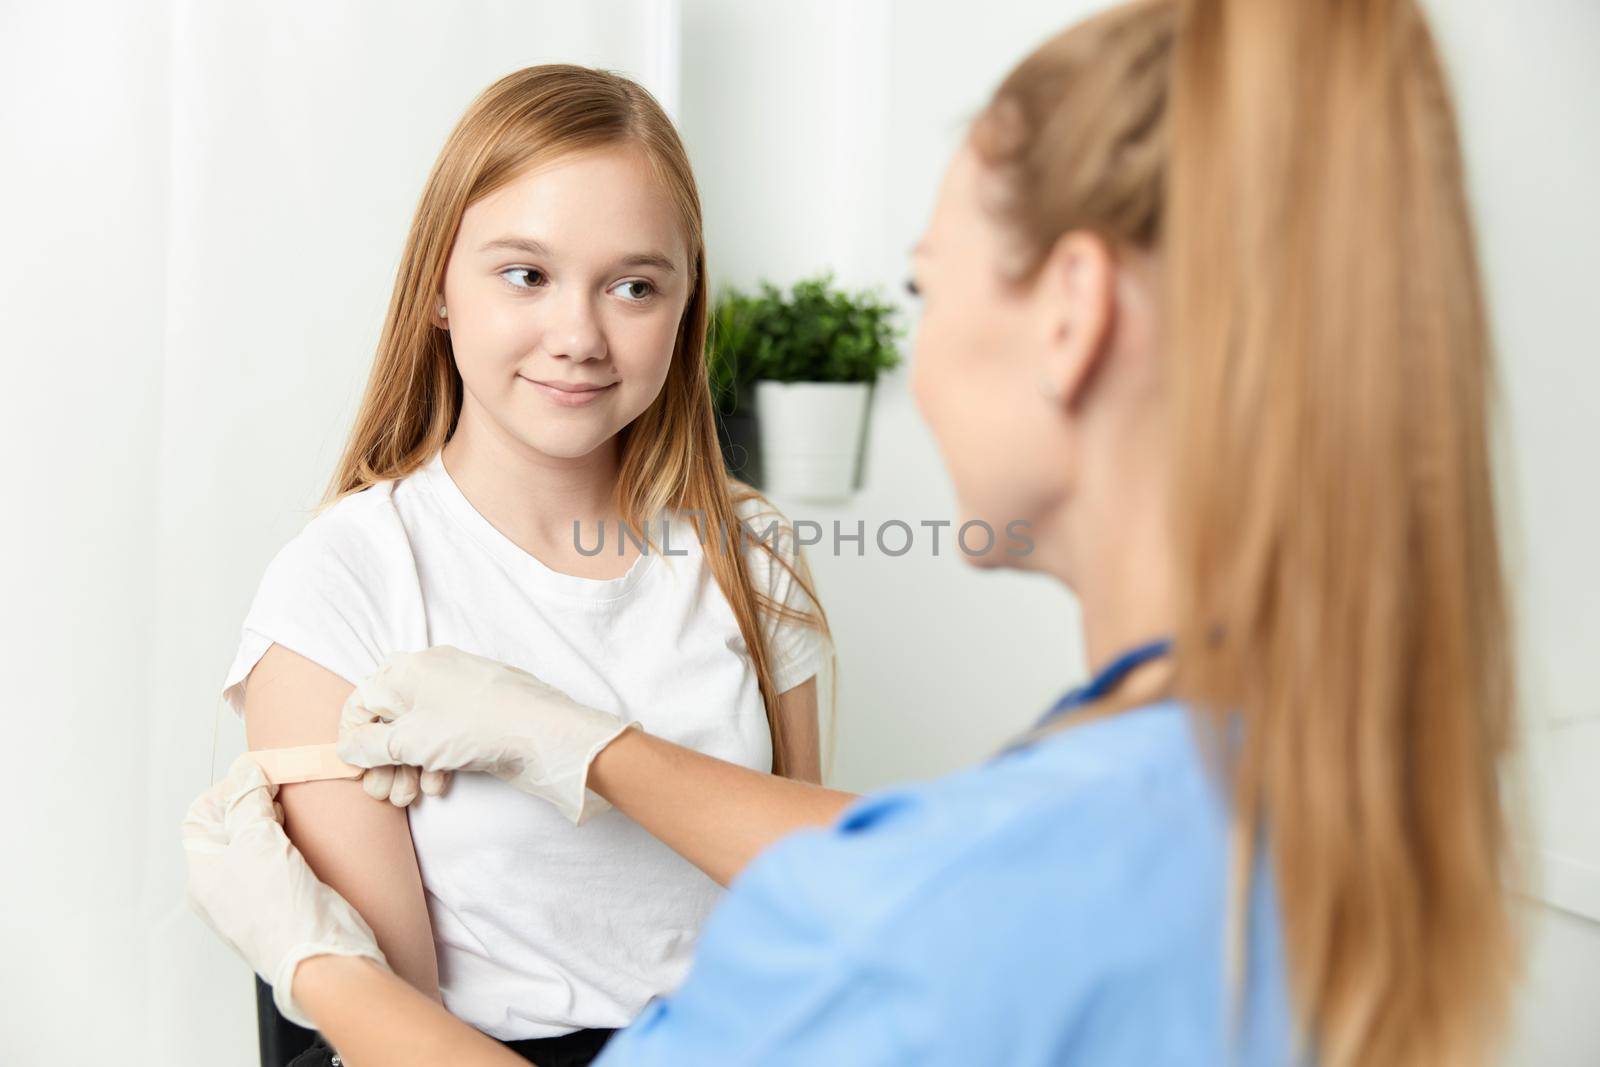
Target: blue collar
(1107, 680)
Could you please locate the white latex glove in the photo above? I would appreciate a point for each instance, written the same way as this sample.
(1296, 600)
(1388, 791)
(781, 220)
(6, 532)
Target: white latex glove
(254, 889)
(448, 710)
(400, 785)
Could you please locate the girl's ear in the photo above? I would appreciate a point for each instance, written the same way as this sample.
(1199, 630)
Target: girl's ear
(1074, 293)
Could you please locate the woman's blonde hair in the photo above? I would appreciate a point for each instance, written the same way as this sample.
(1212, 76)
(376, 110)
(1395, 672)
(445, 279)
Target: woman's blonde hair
(669, 455)
(1296, 166)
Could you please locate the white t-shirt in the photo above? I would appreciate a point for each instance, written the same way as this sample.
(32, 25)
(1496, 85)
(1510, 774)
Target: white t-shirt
(540, 927)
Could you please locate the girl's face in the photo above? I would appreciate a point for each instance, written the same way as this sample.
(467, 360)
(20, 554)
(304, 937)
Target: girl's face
(564, 290)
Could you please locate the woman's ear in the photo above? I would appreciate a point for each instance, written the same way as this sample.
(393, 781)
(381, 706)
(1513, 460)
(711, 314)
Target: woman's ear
(1075, 296)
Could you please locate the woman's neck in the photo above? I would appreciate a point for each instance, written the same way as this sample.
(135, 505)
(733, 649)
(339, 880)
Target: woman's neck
(1119, 561)
(532, 498)
(1127, 600)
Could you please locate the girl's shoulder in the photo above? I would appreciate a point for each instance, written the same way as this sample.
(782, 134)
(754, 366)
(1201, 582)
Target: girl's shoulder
(343, 592)
(354, 555)
(768, 536)
(752, 507)
(363, 531)
(763, 522)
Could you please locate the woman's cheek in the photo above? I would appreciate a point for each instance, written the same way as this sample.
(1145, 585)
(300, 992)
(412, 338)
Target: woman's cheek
(932, 371)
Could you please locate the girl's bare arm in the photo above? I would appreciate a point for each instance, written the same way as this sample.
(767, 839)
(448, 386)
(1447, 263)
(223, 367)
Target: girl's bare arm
(360, 847)
(797, 720)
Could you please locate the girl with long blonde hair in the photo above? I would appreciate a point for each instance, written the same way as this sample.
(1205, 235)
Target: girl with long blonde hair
(1201, 304)
(534, 476)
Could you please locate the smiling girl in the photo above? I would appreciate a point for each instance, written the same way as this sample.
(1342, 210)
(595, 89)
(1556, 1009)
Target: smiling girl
(540, 372)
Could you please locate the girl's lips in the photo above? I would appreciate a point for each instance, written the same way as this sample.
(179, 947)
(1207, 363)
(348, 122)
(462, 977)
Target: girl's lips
(571, 398)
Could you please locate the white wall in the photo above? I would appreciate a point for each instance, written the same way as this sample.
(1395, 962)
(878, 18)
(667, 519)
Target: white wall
(939, 662)
(82, 315)
(1529, 93)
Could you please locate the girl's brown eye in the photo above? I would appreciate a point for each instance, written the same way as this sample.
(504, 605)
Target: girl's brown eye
(638, 290)
(534, 278)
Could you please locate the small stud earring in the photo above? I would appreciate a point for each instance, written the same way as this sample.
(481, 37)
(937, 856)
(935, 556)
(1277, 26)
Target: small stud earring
(443, 313)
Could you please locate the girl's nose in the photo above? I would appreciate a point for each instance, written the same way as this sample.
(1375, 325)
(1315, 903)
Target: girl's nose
(573, 329)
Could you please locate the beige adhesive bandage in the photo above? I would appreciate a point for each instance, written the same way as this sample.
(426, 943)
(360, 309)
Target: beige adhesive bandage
(309, 763)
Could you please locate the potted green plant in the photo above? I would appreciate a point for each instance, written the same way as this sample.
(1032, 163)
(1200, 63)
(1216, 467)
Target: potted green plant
(806, 361)
(730, 367)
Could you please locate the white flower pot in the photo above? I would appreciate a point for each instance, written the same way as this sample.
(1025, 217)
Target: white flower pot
(813, 435)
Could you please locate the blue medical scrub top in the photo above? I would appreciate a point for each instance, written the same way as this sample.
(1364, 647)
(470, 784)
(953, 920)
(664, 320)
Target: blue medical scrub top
(1062, 904)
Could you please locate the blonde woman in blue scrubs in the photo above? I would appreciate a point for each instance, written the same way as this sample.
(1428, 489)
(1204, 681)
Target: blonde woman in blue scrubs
(1201, 306)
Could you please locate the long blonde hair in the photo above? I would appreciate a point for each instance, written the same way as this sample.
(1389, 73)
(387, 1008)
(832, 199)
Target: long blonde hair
(669, 454)
(1296, 167)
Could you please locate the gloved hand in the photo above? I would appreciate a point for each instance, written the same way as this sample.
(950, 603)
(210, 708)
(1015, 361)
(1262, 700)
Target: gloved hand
(448, 710)
(254, 889)
(400, 785)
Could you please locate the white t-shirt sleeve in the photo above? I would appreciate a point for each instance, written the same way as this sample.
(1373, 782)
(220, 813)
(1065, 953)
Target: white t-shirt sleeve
(336, 594)
(796, 649)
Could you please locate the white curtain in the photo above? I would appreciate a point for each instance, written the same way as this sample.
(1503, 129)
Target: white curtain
(206, 206)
